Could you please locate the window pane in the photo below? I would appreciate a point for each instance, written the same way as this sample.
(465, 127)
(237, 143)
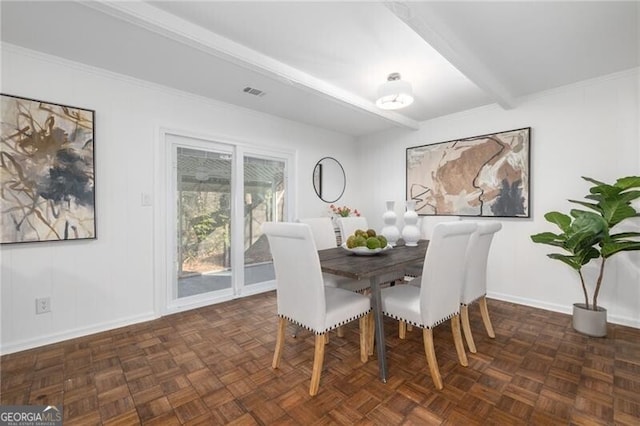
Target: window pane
(203, 197)
(264, 201)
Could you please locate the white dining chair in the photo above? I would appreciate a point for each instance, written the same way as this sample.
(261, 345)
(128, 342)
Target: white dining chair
(302, 297)
(426, 231)
(349, 225)
(323, 232)
(475, 282)
(325, 238)
(437, 299)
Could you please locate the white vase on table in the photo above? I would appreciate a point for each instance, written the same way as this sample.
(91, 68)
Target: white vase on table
(390, 231)
(411, 231)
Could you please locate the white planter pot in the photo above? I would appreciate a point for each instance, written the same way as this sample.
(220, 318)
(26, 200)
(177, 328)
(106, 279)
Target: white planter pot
(589, 322)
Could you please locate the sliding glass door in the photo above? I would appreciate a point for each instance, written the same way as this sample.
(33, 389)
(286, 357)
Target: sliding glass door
(221, 195)
(203, 220)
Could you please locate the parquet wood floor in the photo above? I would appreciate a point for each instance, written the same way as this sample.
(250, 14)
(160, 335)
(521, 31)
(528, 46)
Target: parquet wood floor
(213, 366)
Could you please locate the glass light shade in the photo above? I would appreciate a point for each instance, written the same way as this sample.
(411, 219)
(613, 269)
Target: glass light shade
(394, 94)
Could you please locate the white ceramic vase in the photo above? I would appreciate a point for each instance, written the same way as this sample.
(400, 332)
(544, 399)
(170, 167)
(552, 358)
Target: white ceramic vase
(411, 231)
(390, 230)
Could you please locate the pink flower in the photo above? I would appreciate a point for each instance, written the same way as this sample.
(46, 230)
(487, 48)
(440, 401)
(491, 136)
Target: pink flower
(343, 211)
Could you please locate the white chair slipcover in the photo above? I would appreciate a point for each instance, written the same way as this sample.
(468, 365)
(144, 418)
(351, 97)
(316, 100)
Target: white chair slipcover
(426, 231)
(438, 297)
(475, 283)
(325, 238)
(302, 297)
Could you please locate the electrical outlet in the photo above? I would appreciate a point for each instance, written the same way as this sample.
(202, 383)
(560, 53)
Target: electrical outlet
(43, 305)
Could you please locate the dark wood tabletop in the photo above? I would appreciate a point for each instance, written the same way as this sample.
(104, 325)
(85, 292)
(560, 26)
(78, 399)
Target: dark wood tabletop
(386, 266)
(338, 261)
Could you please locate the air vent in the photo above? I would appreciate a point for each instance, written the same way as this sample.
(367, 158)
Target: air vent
(253, 91)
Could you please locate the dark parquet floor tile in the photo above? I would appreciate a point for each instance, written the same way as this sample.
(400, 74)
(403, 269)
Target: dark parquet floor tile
(212, 366)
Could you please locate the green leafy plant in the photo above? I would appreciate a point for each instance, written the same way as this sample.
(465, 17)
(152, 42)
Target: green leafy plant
(586, 234)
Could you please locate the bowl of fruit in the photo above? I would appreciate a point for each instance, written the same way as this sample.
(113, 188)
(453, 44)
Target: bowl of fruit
(366, 243)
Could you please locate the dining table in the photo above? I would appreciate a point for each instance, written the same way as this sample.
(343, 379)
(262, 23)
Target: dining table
(387, 266)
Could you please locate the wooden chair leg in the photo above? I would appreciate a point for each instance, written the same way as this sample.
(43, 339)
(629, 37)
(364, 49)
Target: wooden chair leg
(409, 327)
(466, 328)
(341, 331)
(318, 359)
(484, 311)
(282, 326)
(372, 333)
(402, 329)
(326, 338)
(427, 335)
(457, 340)
(364, 338)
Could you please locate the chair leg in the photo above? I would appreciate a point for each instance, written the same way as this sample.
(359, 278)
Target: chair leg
(326, 338)
(364, 337)
(318, 359)
(457, 340)
(484, 310)
(341, 331)
(409, 327)
(371, 334)
(402, 329)
(466, 327)
(282, 325)
(427, 336)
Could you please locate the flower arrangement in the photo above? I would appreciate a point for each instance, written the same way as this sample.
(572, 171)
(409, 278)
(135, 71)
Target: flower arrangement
(343, 211)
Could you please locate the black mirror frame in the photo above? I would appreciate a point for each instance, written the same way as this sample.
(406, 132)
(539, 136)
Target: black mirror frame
(317, 179)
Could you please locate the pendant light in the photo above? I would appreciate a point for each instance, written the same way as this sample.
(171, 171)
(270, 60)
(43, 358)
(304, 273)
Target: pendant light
(394, 93)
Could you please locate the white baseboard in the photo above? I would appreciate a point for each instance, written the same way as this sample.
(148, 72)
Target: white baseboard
(565, 309)
(22, 345)
(8, 348)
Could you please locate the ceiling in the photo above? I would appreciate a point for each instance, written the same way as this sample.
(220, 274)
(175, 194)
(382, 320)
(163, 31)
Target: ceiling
(320, 63)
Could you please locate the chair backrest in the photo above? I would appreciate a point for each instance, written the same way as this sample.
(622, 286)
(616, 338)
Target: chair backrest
(444, 271)
(475, 282)
(348, 225)
(430, 222)
(300, 288)
(323, 233)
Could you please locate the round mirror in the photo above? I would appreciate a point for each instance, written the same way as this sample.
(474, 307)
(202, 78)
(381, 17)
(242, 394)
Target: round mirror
(329, 179)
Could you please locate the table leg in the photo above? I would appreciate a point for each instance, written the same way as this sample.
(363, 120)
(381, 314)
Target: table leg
(379, 332)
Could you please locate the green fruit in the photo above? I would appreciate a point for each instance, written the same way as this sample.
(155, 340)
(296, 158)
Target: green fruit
(383, 241)
(351, 241)
(360, 233)
(371, 232)
(360, 241)
(373, 243)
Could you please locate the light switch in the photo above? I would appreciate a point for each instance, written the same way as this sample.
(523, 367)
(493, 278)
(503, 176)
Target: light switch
(146, 199)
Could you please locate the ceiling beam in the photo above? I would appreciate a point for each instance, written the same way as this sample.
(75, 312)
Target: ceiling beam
(435, 31)
(153, 19)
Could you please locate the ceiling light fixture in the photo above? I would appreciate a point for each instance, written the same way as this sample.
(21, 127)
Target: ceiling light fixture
(394, 93)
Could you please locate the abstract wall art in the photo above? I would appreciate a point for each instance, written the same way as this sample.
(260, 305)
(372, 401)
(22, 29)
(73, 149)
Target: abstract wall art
(484, 175)
(47, 172)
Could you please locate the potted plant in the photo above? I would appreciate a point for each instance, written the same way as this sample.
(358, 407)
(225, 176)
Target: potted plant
(587, 235)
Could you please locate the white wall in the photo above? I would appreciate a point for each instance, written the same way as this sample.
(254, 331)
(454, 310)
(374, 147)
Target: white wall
(587, 129)
(109, 282)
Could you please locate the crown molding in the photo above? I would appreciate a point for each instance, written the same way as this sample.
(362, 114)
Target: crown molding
(147, 85)
(153, 19)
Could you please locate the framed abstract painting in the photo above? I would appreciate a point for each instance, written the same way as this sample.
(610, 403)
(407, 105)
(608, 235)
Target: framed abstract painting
(47, 171)
(485, 176)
